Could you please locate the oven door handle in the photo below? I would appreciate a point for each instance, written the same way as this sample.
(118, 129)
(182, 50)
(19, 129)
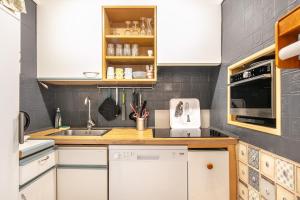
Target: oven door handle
(263, 76)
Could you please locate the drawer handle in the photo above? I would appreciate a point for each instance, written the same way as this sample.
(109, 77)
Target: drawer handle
(242, 153)
(42, 161)
(267, 164)
(210, 166)
(284, 198)
(243, 192)
(23, 197)
(267, 192)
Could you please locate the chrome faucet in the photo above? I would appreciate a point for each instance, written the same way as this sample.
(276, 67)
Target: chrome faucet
(90, 122)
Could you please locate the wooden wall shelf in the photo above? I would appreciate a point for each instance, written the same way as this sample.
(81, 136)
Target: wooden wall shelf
(113, 31)
(287, 30)
(239, 66)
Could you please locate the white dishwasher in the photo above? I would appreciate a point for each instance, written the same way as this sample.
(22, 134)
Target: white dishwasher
(147, 172)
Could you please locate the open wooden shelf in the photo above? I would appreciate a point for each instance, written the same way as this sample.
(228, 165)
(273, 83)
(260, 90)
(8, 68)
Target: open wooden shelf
(130, 59)
(287, 30)
(131, 39)
(239, 66)
(114, 18)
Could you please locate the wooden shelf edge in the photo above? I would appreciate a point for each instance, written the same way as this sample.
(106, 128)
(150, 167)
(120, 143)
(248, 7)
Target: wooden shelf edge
(129, 36)
(133, 82)
(129, 57)
(263, 129)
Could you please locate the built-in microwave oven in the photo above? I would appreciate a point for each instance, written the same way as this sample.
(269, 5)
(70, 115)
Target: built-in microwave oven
(252, 91)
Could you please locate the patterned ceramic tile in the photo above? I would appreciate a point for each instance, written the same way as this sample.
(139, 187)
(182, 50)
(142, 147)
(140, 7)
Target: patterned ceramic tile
(253, 157)
(253, 195)
(285, 174)
(253, 178)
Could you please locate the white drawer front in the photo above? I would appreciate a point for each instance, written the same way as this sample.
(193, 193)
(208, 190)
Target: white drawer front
(285, 174)
(267, 165)
(267, 189)
(243, 191)
(243, 172)
(253, 195)
(243, 155)
(82, 156)
(283, 194)
(32, 169)
(43, 188)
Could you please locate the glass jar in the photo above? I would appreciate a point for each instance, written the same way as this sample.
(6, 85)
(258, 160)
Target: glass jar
(119, 50)
(135, 50)
(127, 51)
(110, 49)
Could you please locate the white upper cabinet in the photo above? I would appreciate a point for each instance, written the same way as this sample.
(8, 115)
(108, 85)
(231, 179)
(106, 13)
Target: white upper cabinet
(69, 38)
(69, 35)
(189, 32)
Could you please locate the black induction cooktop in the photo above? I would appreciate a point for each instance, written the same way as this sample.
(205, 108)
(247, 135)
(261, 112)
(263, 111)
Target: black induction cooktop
(188, 133)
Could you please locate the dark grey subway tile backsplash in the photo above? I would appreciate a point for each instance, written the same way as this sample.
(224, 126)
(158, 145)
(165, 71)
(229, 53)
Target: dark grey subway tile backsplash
(177, 82)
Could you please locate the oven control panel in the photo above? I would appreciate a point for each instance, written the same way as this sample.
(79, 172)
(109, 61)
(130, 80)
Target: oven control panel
(257, 69)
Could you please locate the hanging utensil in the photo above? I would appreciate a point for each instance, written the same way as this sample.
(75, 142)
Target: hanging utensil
(123, 105)
(117, 108)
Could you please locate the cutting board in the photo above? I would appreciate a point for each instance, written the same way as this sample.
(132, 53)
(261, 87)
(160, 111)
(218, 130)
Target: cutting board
(185, 113)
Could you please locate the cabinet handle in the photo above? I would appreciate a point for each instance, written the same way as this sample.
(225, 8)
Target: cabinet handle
(23, 197)
(253, 179)
(90, 74)
(242, 153)
(285, 173)
(283, 198)
(267, 164)
(42, 161)
(267, 192)
(210, 166)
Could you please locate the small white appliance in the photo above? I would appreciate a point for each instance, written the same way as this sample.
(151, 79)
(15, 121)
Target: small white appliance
(185, 113)
(147, 172)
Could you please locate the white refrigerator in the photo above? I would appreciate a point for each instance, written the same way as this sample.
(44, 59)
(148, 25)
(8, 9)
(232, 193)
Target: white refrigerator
(9, 103)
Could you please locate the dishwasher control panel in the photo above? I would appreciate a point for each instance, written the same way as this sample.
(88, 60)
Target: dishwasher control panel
(136, 155)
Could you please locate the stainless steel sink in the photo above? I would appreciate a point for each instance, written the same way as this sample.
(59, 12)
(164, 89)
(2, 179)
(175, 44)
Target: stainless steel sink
(81, 132)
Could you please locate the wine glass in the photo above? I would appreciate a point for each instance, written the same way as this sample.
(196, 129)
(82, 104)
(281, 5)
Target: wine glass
(127, 30)
(143, 26)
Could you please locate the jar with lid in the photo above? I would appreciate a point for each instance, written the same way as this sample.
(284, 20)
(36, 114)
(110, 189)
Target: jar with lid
(110, 49)
(119, 50)
(127, 50)
(135, 50)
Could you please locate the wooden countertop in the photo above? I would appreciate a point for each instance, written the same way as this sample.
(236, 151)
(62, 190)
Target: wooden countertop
(132, 136)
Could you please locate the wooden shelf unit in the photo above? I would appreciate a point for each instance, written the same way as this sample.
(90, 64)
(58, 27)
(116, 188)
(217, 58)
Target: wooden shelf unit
(114, 18)
(239, 66)
(287, 30)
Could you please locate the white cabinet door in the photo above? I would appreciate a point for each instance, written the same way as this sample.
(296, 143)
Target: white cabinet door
(208, 175)
(81, 183)
(69, 40)
(189, 32)
(9, 87)
(44, 188)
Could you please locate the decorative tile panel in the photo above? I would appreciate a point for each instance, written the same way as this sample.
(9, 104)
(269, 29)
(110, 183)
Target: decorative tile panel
(253, 178)
(253, 195)
(285, 174)
(253, 157)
